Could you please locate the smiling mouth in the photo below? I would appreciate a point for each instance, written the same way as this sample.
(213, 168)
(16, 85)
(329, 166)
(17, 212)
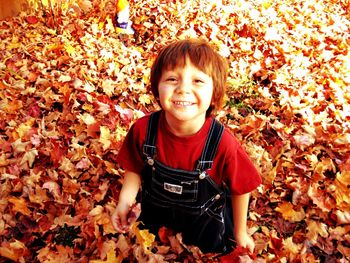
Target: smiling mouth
(183, 103)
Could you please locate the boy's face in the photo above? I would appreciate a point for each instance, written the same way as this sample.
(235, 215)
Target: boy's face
(185, 93)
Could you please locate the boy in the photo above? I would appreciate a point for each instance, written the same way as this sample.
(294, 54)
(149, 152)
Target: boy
(183, 160)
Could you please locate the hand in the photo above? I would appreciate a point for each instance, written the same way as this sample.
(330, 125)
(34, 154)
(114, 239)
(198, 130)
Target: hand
(124, 216)
(245, 240)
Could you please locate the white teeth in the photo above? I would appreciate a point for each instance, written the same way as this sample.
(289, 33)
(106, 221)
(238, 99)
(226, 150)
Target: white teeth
(182, 103)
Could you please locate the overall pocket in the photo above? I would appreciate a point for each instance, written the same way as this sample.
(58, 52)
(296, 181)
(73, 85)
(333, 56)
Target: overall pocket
(170, 186)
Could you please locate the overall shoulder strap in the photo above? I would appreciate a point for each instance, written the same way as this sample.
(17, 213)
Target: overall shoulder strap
(212, 142)
(149, 147)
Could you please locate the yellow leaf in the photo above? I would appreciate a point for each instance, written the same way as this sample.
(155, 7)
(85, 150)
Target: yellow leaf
(19, 146)
(342, 192)
(266, 4)
(145, 99)
(53, 46)
(108, 249)
(3, 160)
(108, 87)
(13, 46)
(144, 237)
(120, 133)
(29, 157)
(51, 31)
(288, 213)
(291, 247)
(314, 229)
(69, 49)
(105, 137)
(96, 211)
(111, 258)
(23, 128)
(87, 118)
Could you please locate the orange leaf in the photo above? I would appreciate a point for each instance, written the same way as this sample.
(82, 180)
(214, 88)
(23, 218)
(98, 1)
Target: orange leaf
(316, 229)
(20, 205)
(288, 213)
(14, 250)
(144, 237)
(9, 253)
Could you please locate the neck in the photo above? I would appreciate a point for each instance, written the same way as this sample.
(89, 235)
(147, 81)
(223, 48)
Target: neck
(183, 128)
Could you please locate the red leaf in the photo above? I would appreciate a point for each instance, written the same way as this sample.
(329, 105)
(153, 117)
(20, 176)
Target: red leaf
(32, 19)
(57, 152)
(164, 234)
(277, 243)
(234, 256)
(34, 110)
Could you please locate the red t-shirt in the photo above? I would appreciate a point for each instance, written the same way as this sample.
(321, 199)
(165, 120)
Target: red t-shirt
(231, 163)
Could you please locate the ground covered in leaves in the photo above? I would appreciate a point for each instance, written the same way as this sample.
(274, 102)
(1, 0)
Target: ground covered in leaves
(70, 87)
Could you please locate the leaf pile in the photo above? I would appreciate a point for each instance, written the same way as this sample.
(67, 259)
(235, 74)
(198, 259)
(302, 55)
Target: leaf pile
(70, 87)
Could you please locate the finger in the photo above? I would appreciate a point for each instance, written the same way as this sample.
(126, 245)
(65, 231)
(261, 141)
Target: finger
(123, 221)
(116, 222)
(134, 213)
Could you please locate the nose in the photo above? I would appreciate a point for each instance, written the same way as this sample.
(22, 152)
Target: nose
(183, 87)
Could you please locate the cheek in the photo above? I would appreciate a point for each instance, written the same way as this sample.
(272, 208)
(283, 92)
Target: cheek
(162, 96)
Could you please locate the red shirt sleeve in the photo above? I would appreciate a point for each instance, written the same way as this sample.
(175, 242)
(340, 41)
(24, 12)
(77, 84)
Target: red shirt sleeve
(238, 171)
(130, 155)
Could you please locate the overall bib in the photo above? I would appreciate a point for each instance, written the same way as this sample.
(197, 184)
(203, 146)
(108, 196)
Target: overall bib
(189, 202)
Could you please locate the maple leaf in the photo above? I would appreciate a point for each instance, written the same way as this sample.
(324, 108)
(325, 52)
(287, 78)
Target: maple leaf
(32, 19)
(19, 205)
(15, 250)
(343, 217)
(341, 190)
(304, 140)
(57, 153)
(105, 137)
(291, 247)
(29, 158)
(108, 252)
(53, 188)
(38, 196)
(19, 146)
(123, 245)
(83, 164)
(145, 99)
(288, 213)
(144, 237)
(102, 191)
(164, 234)
(322, 200)
(127, 115)
(63, 254)
(316, 229)
(237, 255)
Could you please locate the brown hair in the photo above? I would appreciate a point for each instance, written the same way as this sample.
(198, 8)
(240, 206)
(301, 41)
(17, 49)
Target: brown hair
(202, 56)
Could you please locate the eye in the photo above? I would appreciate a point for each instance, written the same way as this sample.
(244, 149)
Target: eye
(199, 81)
(171, 79)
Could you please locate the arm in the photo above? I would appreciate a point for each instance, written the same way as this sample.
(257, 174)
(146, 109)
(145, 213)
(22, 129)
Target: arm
(240, 205)
(127, 197)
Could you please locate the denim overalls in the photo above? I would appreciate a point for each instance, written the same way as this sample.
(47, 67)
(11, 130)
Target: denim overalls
(189, 202)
